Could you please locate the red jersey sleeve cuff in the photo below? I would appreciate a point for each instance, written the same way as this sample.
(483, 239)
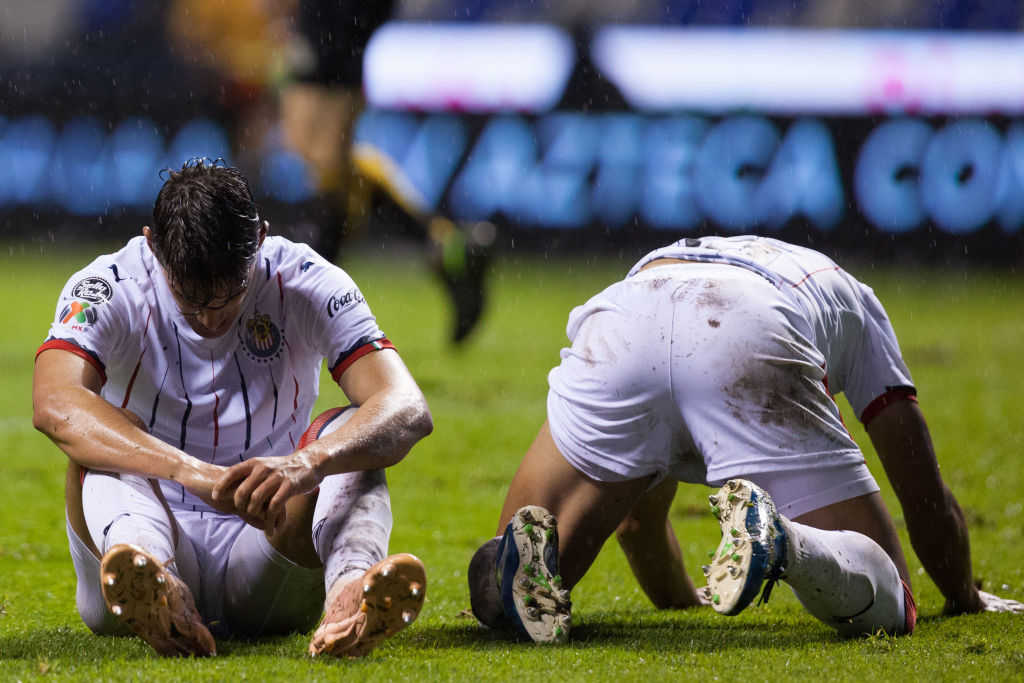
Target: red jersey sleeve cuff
(892, 395)
(346, 361)
(77, 350)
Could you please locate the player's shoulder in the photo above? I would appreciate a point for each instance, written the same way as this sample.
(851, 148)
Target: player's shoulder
(115, 276)
(298, 264)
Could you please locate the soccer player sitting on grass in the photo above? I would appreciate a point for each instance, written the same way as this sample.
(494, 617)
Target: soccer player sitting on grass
(179, 377)
(716, 361)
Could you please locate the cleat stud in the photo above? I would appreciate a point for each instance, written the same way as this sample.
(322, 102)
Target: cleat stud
(715, 510)
(549, 534)
(528, 529)
(364, 607)
(415, 591)
(735, 557)
(733, 571)
(160, 580)
(706, 569)
(407, 617)
(713, 499)
(111, 580)
(387, 571)
(533, 613)
(711, 553)
(117, 610)
(141, 561)
(386, 602)
(524, 582)
(564, 595)
(737, 541)
(558, 632)
(716, 598)
(733, 497)
(732, 484)
(367, 588)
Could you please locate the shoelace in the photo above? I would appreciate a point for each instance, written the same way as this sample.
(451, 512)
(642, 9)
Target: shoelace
(777, 570)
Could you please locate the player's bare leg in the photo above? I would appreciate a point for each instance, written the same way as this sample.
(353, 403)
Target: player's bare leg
(154, 603)
(588, 511)
(652, 549)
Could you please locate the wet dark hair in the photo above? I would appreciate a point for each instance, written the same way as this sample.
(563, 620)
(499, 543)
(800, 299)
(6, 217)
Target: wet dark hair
(206, 229)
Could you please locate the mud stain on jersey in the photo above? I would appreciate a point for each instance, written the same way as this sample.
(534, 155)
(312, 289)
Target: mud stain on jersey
(773, 393)
(684, 291)
(712, 296)
(781, 395)
(657, 283)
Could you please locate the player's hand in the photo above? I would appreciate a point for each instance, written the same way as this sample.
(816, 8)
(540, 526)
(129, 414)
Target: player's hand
(994, 603)
(200, 480)
(260, 487)
(703, 597)
(987, 602)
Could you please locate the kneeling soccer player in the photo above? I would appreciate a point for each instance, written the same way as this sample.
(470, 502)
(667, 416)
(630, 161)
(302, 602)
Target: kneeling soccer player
(179, 377)
(716, 361)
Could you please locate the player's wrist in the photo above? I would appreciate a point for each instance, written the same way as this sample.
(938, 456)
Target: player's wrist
(967, 603)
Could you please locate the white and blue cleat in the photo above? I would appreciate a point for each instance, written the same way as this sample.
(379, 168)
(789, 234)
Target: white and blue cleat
(527, 574)
(752, 552)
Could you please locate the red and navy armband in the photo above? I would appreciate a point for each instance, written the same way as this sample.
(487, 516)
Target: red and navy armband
(891, 395)
(71, 347)
(363, 347)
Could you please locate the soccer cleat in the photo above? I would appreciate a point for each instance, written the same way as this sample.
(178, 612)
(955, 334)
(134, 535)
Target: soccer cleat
(386, 599)
(463, 254)
(527, 575)
(753, 547)
(153, 603)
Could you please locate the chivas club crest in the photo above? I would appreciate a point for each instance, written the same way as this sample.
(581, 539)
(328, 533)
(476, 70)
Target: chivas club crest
(262, 338)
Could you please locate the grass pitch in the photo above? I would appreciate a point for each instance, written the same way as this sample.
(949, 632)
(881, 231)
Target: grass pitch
(962, 334)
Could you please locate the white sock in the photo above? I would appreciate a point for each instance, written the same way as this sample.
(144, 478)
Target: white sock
(351, 524)
(123, 508)
(844, 579)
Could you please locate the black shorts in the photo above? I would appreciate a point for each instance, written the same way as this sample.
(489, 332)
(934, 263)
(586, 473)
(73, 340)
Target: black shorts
(338, 31)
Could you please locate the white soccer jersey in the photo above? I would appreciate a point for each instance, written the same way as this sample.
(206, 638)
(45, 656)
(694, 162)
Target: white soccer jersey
(245, 394)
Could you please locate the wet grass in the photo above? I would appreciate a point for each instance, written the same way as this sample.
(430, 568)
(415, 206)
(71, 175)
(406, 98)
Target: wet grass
(962, 333)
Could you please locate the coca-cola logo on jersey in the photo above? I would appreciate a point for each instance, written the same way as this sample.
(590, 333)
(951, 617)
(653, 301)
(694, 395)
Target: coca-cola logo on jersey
(336, 303)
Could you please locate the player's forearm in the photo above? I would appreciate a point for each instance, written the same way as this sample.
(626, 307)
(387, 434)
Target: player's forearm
(380, 435)
(940, 538)
(657, 563)
(934, 520)
(98, 436)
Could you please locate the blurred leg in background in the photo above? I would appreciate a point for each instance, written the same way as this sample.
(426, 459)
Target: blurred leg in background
(319, 112)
